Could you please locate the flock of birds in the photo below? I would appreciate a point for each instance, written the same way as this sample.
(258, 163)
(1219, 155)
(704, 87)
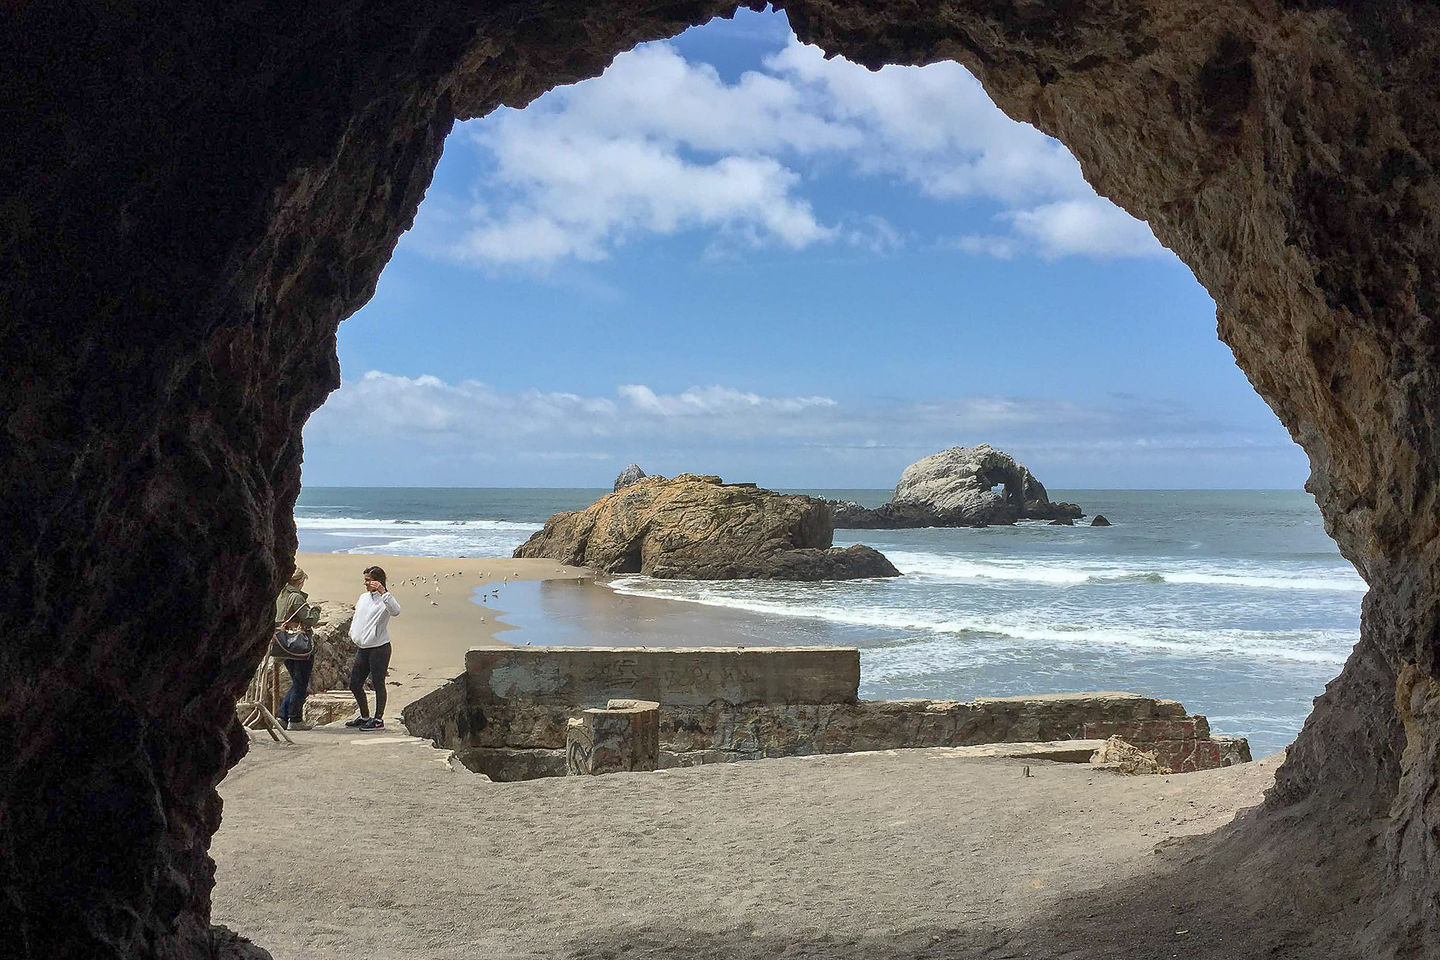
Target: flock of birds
(434, 580)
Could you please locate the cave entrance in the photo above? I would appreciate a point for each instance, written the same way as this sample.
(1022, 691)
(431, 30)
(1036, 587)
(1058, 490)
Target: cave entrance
(711, 207)
(244, 200)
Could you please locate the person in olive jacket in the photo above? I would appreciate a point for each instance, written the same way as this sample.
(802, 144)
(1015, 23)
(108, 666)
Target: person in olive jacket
(294, 612)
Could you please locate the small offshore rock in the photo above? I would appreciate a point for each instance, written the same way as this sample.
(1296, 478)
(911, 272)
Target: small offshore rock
(1099, 521)
(847, 512)
(1064, 522)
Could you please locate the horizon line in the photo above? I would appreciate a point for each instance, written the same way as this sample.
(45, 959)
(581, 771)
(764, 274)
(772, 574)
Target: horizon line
(404, 486)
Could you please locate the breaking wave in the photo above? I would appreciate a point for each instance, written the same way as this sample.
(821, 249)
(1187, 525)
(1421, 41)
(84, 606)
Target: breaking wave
(939, 567)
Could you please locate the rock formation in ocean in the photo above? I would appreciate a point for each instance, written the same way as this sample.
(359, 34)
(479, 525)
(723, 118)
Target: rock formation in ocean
(629, 475)
(197, 195)
(960, 487)
(698, 528)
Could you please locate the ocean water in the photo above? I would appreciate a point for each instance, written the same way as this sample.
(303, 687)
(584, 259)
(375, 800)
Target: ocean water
(1235, 602)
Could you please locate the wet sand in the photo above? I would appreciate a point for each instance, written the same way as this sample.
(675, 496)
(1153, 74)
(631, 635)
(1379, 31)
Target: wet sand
(583, 612)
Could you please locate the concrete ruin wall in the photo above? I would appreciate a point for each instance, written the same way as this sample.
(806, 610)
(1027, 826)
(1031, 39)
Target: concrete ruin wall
(679, 677)
(725, 704)
(196, 195)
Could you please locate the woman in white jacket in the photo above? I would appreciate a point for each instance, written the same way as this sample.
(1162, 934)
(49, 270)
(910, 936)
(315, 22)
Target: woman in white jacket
(370, 631)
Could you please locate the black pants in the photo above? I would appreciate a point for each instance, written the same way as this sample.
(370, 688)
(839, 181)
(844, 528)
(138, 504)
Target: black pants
(370, 663)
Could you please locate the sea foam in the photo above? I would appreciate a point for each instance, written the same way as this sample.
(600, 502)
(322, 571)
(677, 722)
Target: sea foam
(992, 631)
(1051, 571)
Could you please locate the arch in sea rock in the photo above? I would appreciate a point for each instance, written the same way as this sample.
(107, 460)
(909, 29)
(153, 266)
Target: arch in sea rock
(196, 195)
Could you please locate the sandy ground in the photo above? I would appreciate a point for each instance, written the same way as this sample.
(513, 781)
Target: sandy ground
(371, 845)
(385, 852)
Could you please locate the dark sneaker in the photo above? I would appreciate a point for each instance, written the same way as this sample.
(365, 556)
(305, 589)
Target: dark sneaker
(357, 721)
(374, 723)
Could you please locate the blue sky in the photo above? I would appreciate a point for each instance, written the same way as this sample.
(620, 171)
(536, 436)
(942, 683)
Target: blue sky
(729, 255)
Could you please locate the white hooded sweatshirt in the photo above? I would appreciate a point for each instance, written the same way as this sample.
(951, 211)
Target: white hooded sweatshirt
(373, 611)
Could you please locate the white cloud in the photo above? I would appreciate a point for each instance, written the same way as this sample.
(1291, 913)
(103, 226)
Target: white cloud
(661, 145)
(1087, 226)
(934, 125)
(713, 402)
(582, 195)
(425, 430)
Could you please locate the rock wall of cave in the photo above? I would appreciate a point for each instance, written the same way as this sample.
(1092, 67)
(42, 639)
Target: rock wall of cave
(196, 195)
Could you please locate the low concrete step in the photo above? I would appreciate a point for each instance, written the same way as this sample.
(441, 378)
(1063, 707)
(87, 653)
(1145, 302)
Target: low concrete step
(1060, 751)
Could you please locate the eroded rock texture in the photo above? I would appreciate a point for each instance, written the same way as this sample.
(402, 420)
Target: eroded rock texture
(196, 194)
(696, 528)
(959, 487)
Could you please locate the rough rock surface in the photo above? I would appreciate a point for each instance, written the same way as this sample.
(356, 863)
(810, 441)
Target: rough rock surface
(960, 487)
(1130, 760)
(222, 185)
(629, 475)
(334, 650)
(698, 528)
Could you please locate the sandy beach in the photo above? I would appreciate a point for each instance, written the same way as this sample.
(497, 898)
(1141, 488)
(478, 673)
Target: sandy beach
(396, 853)
(430, 638)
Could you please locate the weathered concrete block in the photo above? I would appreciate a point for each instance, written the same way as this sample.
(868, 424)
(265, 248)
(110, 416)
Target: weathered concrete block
(621, 737)
(520, 723)
(680, 677)
(1187, 756)
(1233, 750)
(323, 708)
(1149, 731)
